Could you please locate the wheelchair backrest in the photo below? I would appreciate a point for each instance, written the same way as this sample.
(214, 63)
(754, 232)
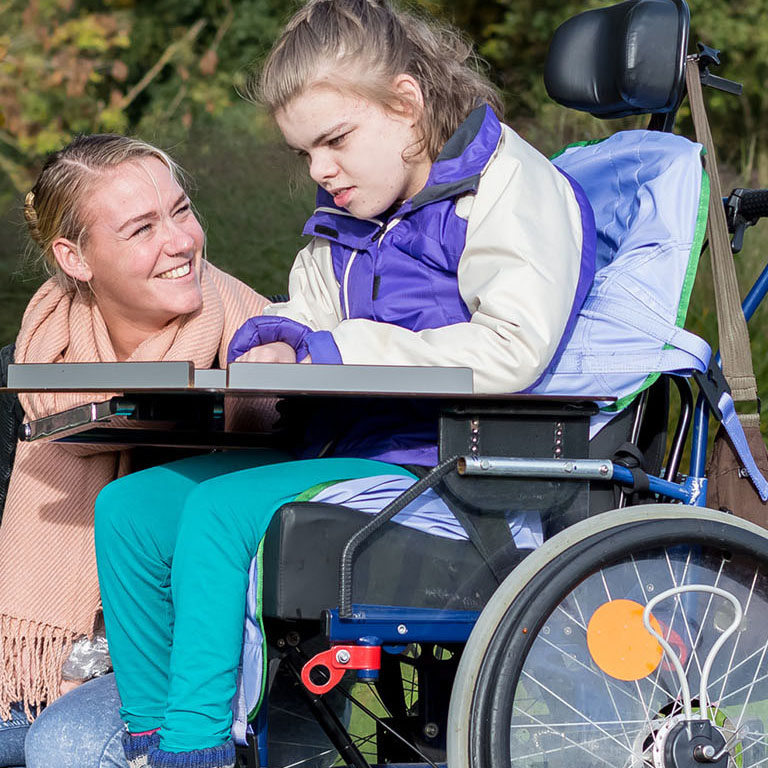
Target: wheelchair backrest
(626, 59)
(649, 193)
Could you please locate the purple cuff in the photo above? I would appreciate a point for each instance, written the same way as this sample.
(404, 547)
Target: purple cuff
(266, 329)
(322, 347)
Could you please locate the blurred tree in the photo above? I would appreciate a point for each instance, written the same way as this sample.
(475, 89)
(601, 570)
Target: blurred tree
(68, 67)
(513, 35)
(55, 68)
(740, 125)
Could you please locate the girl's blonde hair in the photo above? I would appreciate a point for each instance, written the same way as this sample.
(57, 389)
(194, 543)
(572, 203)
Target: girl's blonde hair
(56, 205)
(365, 44)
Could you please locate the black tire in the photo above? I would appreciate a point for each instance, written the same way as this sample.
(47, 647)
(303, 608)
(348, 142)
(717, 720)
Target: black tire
(529, 693)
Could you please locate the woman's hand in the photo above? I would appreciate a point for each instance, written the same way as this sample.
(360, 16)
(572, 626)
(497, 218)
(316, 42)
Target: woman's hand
(69, 685)
(274, 352)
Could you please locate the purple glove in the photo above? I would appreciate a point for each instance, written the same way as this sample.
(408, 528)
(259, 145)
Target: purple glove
(264, 330)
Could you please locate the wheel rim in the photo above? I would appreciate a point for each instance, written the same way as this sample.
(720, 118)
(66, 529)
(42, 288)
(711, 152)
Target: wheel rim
(544, 688)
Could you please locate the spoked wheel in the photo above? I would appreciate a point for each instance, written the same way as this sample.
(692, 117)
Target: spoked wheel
(563, 670)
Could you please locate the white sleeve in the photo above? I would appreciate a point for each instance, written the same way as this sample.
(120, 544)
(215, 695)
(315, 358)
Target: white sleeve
(518, 276)
(313, 289)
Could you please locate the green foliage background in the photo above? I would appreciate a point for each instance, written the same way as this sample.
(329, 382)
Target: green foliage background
(169, 70)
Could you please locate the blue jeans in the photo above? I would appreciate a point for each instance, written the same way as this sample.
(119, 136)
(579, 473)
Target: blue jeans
(80, 730)
(12, 735)
(83, 730)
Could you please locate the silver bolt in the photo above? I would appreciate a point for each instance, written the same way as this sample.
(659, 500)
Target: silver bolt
(402, 629)
(569, 466)
(703, 752)
(567, 631)
(431, 730)
(343, 656)
(603, 469)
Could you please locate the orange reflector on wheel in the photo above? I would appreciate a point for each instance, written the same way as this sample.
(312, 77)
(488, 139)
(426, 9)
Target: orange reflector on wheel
(619, 643)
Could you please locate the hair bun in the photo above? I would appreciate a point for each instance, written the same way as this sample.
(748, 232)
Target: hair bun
(30, 214)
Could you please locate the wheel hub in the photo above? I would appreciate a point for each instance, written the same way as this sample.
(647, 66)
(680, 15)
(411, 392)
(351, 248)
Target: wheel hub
(689, 744)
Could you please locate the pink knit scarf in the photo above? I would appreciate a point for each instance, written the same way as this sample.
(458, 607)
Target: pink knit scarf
(49, 592)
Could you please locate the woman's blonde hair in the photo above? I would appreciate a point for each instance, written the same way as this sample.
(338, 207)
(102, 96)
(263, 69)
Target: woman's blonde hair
(365, 44)
(56, 205)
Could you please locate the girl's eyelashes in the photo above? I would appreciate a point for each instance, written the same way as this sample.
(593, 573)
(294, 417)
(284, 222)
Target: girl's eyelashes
(337, 141)
(185, 208)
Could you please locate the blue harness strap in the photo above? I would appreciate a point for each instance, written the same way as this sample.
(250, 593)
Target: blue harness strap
(735, 430)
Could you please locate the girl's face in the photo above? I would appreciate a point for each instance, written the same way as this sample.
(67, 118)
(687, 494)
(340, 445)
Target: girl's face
(356, 149)
(143, 248)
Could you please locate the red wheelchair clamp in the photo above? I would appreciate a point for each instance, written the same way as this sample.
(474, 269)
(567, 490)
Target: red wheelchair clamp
(337, 660)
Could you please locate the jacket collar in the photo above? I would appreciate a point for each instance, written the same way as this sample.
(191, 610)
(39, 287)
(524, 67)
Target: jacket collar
(456, 170)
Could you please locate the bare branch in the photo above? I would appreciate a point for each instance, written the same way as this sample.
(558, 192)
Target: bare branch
(224, 26)
(168, 54)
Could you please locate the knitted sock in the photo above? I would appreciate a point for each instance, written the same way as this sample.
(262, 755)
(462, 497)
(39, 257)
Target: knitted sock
(137, 745)
(213, 757)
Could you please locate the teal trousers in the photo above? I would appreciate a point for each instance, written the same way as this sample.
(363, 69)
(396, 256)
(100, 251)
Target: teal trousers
(174, 544)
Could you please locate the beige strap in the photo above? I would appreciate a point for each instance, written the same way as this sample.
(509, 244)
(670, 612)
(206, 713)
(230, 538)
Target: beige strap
(731, 325)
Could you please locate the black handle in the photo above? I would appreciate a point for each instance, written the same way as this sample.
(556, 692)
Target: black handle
(753, 203)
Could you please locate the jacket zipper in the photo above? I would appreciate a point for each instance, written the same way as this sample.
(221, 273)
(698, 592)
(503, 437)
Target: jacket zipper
(379, 235)
(346, 283)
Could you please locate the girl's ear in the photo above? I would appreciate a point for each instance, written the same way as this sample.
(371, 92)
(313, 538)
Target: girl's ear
(70, 260)
(408, 91)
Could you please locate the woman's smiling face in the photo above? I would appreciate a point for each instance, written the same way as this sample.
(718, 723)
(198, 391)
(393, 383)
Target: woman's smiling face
(357, 150)
(142, 247)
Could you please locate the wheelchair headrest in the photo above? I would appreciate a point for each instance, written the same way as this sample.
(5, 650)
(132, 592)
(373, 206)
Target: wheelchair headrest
(625, 59)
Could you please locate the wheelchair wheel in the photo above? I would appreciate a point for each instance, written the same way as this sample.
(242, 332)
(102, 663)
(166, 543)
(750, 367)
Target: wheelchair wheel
(561, 671)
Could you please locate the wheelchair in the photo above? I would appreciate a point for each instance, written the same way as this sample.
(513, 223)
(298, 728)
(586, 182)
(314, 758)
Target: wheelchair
(631, 636)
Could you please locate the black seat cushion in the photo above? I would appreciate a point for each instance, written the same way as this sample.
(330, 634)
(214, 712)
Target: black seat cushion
(398, 566)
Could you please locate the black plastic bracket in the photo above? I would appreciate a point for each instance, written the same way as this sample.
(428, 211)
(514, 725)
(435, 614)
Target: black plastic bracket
(737, 221)
(712, 384)
(710, 57)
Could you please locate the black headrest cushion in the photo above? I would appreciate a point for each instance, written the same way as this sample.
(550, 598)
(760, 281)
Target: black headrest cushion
(625, 59)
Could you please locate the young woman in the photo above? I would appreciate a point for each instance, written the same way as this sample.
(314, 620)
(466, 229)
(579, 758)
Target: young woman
(115, 226)
(440, 238)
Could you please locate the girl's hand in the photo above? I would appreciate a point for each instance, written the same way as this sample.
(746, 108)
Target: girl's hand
(274, 352)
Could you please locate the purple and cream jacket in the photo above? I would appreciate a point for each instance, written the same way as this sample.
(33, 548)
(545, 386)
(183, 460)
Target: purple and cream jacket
(484, 268)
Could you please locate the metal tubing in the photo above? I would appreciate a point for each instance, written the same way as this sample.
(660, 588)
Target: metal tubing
(756, 295)
(701, 420)
(656, 485)
(566, 469)
(569, 469)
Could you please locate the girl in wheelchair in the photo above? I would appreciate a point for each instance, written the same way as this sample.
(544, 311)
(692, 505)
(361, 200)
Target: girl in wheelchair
(440, 238)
